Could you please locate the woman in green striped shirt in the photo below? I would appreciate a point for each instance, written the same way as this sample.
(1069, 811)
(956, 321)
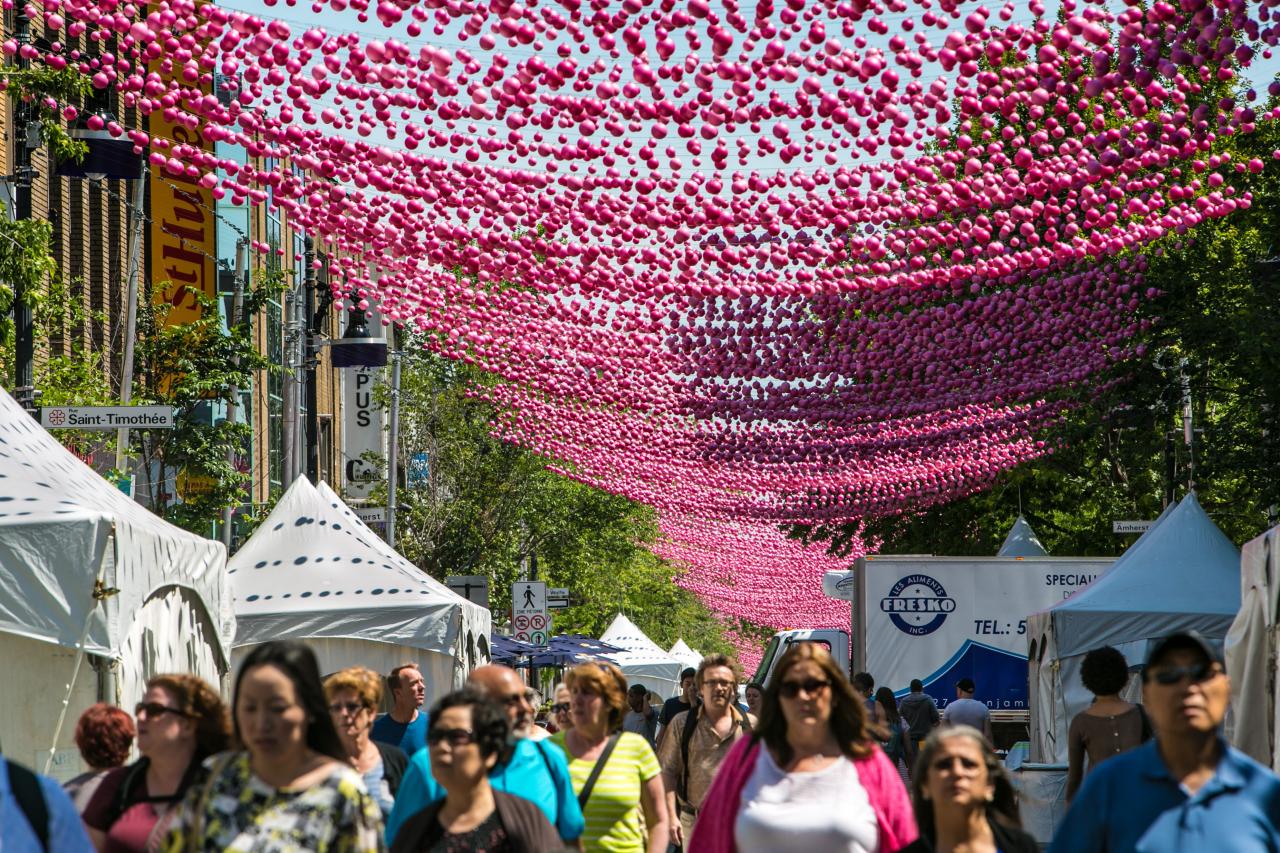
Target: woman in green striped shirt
(626, 811)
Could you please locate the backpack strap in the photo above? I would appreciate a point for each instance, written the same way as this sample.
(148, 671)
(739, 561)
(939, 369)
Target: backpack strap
(686, 736)
(585, 794)
(30, 797)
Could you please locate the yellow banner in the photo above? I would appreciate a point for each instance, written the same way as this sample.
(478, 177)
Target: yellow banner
(183, 232)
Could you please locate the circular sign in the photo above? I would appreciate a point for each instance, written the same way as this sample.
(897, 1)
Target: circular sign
(537, 638)
(917, 605)
(522, 622)
(537, 621)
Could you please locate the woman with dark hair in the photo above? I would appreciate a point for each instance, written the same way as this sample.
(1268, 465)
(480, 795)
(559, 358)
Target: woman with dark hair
(963, 798)
(104, 736)
(811, 777)
(467, 738)
(181, 722)
(291, 789)
(1110, 725)
(895, 743)
(615, 774)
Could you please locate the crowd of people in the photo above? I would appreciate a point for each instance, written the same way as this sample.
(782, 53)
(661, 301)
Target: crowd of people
(813, 761)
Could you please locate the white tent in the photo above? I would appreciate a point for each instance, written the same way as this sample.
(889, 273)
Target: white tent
(1182, 574)
(1252, 649)
(1021, 542)
(687, 656)
(83, 566)
(643, 661)
(313, 571)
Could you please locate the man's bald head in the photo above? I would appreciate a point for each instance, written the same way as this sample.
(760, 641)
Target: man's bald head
(503, 685)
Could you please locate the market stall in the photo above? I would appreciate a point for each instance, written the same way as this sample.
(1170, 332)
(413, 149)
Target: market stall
(642, 660)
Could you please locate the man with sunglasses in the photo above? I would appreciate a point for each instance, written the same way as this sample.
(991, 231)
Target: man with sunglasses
(1186, 789)
(532, 769)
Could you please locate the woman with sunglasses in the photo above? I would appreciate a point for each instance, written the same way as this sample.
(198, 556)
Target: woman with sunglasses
(963, 798)
(615, 773)
(560, 715)
(467, 738)
(181, 721)
(292, 788)
(353, 696)
(811, 778)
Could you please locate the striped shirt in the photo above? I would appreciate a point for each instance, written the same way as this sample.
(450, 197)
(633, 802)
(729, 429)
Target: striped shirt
(614, 819)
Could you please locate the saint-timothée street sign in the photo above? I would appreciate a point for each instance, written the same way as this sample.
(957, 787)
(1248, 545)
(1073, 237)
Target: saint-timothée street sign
(106, 417)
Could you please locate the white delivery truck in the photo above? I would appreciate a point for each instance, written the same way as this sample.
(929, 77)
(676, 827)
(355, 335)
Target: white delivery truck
(940, 619)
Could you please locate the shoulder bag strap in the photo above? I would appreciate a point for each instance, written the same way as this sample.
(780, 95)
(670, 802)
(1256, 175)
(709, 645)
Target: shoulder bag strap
(585, 794)
(690, 723)
(26, 790)
(195, 843)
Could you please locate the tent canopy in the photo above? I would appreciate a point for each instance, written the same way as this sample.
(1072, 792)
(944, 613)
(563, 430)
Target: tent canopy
(683, 653)
(642, 660)
(1021, 542)
(1182, 574)
(61, 523)
(314, 570)
(1251, 650)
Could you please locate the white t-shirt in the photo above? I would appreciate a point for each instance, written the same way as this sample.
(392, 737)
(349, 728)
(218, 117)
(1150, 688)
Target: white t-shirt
(824, 811)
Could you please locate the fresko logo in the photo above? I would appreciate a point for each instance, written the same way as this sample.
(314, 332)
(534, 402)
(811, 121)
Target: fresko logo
(917, 605)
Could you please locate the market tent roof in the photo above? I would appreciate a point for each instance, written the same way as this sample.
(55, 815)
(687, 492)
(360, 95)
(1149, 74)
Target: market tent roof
(641, 659)
(683, 653)
(60, 523)
(312, 569)
(1182, 574)
(1022, 542)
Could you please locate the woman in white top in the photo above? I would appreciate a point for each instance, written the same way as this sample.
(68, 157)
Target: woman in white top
(811, 778)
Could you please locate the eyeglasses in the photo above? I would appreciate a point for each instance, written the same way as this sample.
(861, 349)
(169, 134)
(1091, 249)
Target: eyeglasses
(560, 708)
(345, 707)
(718, 684)
(513, 699)
(1172, 675)
(155, 709)
(811, 686)
(455, 737)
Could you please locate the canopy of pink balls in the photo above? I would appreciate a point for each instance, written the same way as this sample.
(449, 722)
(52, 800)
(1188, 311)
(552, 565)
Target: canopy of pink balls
(802, 261)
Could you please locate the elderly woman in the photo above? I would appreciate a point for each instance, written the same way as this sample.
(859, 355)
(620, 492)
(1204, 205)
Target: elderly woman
(104, 736)
(291, 788)
(812, 777)
(467, 738)
(963, 798)
(354, 695)
(181, 722)
(560, 715)
(614, 772)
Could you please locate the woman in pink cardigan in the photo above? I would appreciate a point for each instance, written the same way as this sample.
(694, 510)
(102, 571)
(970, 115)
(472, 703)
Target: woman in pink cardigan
(812, 778)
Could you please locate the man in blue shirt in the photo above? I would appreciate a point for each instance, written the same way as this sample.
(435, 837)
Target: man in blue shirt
(404, 726)
(537, 770)
(63, 829)
(1185, 790)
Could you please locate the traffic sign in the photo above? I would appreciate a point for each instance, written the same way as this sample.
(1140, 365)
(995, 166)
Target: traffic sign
(370, 514)
(474, 588)
(107, 417)
(529, 616)
(557, 598)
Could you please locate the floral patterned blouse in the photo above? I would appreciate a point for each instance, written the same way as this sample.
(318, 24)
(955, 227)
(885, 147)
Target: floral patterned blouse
(241, 813)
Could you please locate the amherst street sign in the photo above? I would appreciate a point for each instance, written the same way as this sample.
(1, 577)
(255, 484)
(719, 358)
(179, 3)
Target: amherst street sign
(1130, 526)
(106, 417)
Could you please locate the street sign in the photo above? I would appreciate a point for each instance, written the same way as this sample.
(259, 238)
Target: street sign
(106, 417)
(474, 588)
(529, 617)
(194, 485)
(557, 598)
(418, 472)
(371, 514)
(1130, 526)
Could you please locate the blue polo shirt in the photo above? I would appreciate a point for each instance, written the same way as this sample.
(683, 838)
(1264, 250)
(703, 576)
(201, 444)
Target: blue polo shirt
(536, 772)
(1131, 803)
(65, 831)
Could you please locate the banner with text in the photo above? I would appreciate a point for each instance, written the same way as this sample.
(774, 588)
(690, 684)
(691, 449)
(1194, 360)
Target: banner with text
(941, 620)
(362, 431)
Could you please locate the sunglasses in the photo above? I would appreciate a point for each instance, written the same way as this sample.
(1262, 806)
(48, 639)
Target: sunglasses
(560, 708)
(155, 709)
(345, 707)
(811, 686)
(1196, 672)
(455, 737)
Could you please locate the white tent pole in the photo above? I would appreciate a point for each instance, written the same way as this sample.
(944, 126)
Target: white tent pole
(99, 594)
